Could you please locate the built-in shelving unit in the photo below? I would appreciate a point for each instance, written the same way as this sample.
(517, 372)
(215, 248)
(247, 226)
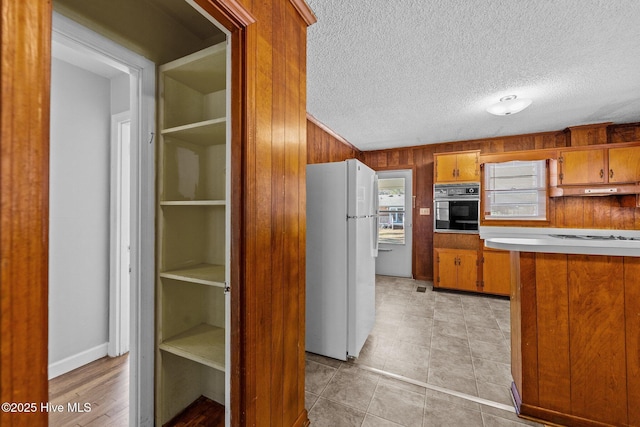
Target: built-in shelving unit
(192, 232)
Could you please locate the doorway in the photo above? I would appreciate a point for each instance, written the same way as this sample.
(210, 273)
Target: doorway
(101, 207)
(395, 236)
(120, 234)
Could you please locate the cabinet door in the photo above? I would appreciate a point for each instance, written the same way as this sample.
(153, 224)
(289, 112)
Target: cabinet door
(624, 164)
(446, 167)
(496, 272)
(582, 167)
(447, 266)
(467, 270)
(467, 164)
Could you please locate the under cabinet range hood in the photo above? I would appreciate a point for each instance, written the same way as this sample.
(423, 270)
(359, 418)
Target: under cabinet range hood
(594, 190)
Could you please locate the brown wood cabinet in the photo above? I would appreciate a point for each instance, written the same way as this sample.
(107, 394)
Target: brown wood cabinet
(599, 165)
(456, 269)
(624, 164)
(575, 336)
(457, 167)
(582, 167)
(461, 262)
(496, 271)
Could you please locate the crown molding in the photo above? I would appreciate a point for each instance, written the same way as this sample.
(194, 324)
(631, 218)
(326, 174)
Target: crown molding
(305, 11)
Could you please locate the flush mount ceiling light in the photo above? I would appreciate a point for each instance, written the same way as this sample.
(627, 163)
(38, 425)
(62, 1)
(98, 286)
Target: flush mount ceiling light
(509, 105)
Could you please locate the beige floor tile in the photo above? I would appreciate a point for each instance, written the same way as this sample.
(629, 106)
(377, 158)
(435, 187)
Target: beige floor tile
(352, 387)
(398, 405)
(444, 413)
(326, 413)
(317, 376)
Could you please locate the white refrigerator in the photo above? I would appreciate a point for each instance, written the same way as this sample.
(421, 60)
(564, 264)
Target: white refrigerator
(342, 244)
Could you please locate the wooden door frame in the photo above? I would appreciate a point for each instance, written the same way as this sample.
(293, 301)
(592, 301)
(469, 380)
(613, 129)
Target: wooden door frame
(25, 40)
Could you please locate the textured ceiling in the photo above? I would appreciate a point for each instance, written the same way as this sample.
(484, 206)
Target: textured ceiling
(390, 73)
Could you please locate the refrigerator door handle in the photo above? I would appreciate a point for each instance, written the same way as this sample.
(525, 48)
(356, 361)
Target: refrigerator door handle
(376, 223)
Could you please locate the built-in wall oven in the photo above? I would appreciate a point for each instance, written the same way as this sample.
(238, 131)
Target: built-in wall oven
(456, 207)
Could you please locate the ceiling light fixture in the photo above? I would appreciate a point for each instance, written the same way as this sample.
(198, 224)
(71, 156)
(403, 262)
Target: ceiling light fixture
(509, 105)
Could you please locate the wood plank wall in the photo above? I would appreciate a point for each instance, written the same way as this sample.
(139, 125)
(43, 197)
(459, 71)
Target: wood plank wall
(24, 214)
(274, 187)
(589, 212)
(324, 146)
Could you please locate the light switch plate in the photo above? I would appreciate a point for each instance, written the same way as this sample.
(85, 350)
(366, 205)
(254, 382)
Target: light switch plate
(425, 211)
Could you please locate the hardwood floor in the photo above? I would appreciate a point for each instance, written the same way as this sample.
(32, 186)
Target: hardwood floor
(203, 412)
(96, 394)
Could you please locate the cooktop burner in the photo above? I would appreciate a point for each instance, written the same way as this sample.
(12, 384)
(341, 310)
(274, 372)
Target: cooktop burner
(589, 237)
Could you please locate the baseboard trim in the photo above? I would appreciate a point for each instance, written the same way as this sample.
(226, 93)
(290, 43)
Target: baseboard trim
(75, 361)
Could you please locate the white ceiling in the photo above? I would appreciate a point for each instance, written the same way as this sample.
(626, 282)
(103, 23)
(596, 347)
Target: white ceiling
(392, 73)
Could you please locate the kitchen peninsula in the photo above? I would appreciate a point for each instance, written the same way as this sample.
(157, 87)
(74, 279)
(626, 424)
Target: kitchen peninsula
(575, 323)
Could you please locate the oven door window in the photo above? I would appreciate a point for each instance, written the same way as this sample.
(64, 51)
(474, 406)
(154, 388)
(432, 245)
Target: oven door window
(456, 215)
(442, 215)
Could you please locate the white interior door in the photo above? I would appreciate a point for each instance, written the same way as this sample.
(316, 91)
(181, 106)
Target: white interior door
(395, 236)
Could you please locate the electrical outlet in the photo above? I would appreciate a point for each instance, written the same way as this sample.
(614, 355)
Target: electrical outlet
(425, 211)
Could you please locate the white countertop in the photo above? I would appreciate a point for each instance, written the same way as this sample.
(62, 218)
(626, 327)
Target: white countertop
(563, 240)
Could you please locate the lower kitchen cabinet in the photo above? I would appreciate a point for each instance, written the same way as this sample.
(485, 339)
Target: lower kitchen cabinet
(456, 269)
(461, 262)
(496, 272)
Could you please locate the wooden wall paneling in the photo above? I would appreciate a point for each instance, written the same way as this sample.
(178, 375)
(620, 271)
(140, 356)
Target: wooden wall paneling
(25, 36)
(274, 194)
(324, 146)
(587, 134)
(294, 245)
(261, 261)
(632, 329)
(515, 325)
(574, 212)
(302, 218)
(628, 132)
(246, 304)
(528, 329)
(597, 340)
(277, 282)
(552, 293)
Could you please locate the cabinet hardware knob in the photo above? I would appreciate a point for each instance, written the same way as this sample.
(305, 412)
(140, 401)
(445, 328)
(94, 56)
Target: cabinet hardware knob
(610, 173)
(601, 173)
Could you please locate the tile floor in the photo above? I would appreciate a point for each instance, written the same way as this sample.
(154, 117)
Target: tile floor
(450, 351)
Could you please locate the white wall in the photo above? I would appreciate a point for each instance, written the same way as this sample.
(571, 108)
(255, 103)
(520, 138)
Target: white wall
(79, 215)
(120, 96)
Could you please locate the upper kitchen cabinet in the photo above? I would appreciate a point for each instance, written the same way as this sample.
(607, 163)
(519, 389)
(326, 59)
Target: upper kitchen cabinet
(457, 167)
(600, 164)
(585, 166)
(624, 164)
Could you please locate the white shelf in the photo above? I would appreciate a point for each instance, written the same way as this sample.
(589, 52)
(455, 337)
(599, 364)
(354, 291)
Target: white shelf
(204, 71)
(207, 132)
(204, 344)
(204, 274)
(193, 203)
